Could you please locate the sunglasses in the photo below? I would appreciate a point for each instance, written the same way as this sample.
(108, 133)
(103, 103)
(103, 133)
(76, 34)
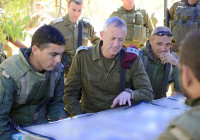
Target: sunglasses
(162, 33)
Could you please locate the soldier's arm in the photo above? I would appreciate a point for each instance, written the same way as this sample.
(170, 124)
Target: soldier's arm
(94, 39)
(174, 134)
(148, 21)
(6, 101)
(172, 11)
(55, 108)
(141, 82)
(72, 89)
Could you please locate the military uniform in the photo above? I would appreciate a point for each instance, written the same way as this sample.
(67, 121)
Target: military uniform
(37, 21)
(157, 72)
(186, 126)
(70, 32)
(154, 20)
(22, 88)
(99, 83)
(139, 25)
(183, 19)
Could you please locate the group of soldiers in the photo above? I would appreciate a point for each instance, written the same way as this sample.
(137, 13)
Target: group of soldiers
(35, 87)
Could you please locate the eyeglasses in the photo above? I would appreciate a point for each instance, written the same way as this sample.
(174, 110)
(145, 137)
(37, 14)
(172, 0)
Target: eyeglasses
(162, 33)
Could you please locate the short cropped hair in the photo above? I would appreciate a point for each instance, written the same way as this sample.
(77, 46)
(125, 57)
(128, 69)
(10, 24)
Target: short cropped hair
(160, 28)
(78, 2)
(189, 52)
(115, 21)
(47, 34)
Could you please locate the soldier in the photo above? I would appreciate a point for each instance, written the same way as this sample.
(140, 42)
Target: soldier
(39, 18)
(161, 65)
(76, 32)
(32, 83)
(184, 17)
(154, 20)
(186, 126)
(95, 71)
(139, 25)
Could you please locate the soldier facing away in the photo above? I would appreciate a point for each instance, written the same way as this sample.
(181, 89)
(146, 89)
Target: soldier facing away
(138, 22)
(95, 71)
(32, 83)
(161, 65)
(183, 18)
(77, 32)
(187, 126)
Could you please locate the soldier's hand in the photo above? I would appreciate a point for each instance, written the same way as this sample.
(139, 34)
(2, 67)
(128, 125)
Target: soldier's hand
(167, 57)
(122, 99)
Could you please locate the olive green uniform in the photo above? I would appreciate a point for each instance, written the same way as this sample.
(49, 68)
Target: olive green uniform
(100, 84)
(22, 89)
(70, 32)
(186, 126)
(183, 19)
(139, 25)
(157, 72)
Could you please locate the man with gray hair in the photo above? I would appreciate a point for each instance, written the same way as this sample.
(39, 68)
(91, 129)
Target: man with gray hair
(96, 72)
(161, 65)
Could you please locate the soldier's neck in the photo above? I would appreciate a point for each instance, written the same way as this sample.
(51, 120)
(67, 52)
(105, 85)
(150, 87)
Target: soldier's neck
(129, 7)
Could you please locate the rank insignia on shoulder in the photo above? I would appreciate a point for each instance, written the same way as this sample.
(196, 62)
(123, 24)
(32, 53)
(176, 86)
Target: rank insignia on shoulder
(132, 50)
(57, 20)
(81, 48)
(86, 21)
(5, 74)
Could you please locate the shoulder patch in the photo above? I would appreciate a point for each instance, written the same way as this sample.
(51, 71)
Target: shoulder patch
(132, 50)
(57, 20)
(5, 74)
(81, 48)
(86, 21)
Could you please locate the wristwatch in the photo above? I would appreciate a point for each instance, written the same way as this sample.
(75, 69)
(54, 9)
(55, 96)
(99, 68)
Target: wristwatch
(129, 91)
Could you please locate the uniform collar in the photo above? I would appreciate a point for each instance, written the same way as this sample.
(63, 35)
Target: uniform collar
(96, 51)
(67, 21)
(96, 54)
(194, 102)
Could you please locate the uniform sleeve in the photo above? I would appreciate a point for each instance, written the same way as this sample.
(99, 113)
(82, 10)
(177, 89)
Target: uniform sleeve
(176, 77)
(114, 14)
(55, 108)
(174, 133)
(148, 22)
(6, 101)
(141, 83)
(94, 39)
(72, 89)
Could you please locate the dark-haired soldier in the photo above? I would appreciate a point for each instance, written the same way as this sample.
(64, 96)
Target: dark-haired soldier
(32, 83)
(76, 31)
(186, 126)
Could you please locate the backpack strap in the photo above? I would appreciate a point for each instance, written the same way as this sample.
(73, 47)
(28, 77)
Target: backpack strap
(80, 33)
(143, 56)
(122, 71)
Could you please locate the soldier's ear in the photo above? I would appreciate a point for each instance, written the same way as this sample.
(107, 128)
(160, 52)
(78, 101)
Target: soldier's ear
(101, 34)
(35, 50)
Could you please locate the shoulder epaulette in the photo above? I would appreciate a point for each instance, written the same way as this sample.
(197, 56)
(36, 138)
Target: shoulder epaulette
(81, 48)
(86, 21)
(5, 74)
(132, 50)
(57, 20)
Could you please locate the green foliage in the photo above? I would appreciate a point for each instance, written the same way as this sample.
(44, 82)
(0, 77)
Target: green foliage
(14, 16)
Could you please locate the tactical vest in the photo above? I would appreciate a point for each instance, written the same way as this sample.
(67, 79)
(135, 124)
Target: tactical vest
(137, 32)
(186, 19)
(21, 74)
